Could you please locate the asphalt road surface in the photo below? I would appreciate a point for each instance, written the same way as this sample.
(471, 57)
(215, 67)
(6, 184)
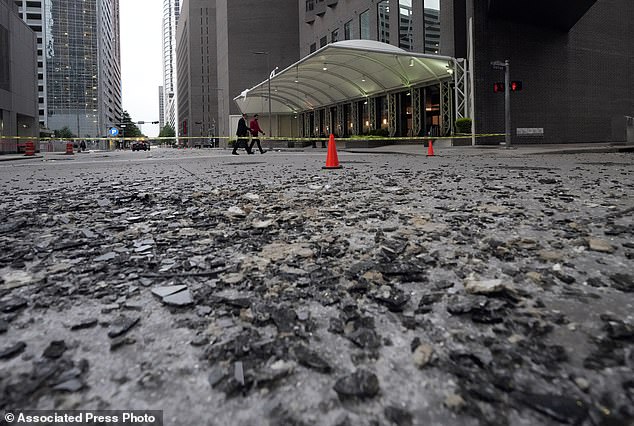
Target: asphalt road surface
(261, 289)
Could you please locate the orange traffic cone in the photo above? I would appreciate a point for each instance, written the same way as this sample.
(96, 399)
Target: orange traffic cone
(430, 149)
(332, 161)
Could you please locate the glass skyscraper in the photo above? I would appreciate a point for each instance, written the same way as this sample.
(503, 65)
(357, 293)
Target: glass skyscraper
(79, 72)
(171, 11)
(81, 59)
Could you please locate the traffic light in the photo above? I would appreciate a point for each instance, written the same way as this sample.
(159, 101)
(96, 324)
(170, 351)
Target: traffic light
(516, 86)
(498, 87)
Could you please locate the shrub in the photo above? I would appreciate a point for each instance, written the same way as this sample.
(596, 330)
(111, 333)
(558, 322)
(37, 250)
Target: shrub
(379, 132)
(463, 125)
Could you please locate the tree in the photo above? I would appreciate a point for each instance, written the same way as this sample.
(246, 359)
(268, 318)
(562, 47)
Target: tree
(131, 130)
(167, 132)
(64, 133)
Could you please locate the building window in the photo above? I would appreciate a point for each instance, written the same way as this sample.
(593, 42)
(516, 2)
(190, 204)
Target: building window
(383, 17)
(334, 36)
(5, 81)
(310, 5)
(313, 47)
(405, 34)
(347, 30)
(432, 26)
(364, 25)
(323, 41)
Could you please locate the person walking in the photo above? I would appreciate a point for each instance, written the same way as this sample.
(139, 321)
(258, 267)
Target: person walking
(255, 133)
(242, 133)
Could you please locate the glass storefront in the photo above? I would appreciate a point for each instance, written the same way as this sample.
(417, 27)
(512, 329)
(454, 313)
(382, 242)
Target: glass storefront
(346, 119)
(432, 110)
(404, 113)
(348, 129)
(382, 113)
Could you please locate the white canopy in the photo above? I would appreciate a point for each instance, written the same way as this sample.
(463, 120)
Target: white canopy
(344, 71)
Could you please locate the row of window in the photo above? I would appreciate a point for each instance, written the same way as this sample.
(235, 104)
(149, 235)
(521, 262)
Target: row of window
(311, 5)
(348, 33)
(430, 28)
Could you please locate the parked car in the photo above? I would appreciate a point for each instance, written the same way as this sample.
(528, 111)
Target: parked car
(140, 145)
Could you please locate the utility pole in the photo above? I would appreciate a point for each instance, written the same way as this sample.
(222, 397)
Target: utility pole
(499, 65)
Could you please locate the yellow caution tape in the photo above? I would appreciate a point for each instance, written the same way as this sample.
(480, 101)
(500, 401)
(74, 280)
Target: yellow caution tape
(282, 138)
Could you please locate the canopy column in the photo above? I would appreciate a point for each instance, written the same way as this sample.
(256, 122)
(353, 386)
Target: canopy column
(461, 88)
(391, 113)
(445, 108)
(372, 112)
(416, 111)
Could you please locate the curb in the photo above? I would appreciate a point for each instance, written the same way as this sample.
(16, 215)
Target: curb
(513, 150)
(605, 150)
(23, 157)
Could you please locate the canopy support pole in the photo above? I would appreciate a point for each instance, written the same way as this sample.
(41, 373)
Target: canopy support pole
(416, 111)
(445, 108)
(461, 88)
(391, 113)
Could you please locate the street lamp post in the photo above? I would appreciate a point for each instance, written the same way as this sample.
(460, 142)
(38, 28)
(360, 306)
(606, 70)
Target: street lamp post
(272, 73)
(212, 135)
(122, 136)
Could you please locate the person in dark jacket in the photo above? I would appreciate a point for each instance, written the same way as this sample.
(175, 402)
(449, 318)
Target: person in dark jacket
(242, 133)
(255, 133)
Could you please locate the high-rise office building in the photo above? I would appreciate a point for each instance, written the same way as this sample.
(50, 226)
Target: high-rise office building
(18, 89)
(171, 13)
(558, 50)
(32, 13)
(79, 63)
(161, 100)
(411, 25)
(224, 47)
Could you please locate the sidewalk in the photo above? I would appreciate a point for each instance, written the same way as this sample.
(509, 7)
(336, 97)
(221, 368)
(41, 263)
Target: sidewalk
(440, 149)
(541, 149)
(39, 155)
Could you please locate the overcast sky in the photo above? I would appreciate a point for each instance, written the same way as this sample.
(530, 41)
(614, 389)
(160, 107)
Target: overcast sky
(141, 68)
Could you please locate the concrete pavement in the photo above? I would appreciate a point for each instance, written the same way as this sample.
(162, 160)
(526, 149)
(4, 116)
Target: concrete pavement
(454, 290)
(440, 149)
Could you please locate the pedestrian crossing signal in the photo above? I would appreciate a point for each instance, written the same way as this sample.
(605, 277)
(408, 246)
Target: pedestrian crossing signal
(516, 86)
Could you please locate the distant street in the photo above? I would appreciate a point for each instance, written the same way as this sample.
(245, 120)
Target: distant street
(260, 289)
